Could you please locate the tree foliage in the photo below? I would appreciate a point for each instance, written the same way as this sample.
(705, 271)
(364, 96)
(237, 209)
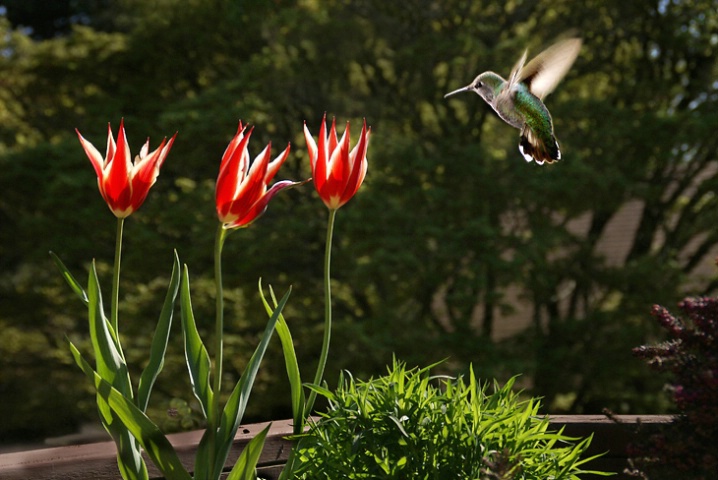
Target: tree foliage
(452, 232)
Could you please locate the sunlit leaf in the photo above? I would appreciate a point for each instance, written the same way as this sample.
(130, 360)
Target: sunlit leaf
(237, 402)
(196, 354)
(290, 361)
(159, 340)
(158, 448)
(246, 466)
(69, 278)
(112, 368)
(109, 359)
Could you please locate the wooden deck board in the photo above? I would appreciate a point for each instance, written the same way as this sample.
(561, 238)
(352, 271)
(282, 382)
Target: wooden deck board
(97, 460)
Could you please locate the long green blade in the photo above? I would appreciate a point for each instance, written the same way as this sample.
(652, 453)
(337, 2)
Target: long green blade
(290, 362)
(111, 367)
(159, 340)
(109, 358)
(74, 284)
(203, 464)
(237, 402)
(196, 355)
(246, 466)
(158, 448)
(295, 380)
(129, 455)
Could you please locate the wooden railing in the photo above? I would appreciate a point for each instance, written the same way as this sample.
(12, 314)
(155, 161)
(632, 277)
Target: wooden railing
(97, 461)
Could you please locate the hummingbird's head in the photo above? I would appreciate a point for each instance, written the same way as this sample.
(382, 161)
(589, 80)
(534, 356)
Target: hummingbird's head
(487, 85)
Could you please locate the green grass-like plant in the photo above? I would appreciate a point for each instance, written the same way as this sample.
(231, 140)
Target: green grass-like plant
(408, 424)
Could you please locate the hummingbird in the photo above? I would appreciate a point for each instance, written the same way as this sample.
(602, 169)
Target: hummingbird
(519, 101)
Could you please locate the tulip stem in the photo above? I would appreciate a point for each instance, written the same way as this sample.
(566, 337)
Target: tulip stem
(327, 311)
(114, 306)
(219, 319)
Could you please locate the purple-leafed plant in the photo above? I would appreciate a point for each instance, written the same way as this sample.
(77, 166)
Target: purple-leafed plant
(688, 448)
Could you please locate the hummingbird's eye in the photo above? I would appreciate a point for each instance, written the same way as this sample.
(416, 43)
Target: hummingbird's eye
(479, 84)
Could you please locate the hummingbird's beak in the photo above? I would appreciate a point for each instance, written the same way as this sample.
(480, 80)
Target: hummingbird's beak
(462, 89)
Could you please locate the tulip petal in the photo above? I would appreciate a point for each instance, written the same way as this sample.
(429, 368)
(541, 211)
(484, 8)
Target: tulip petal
(311, 146)
(320, 159)
(253, 187)
(116, 182)
(125, 186)
(92, 153)
(236, 140)
(166, 151)
(333, 135)
(337, 172)
(241, 193)
(146, 171)
(145, 148)
(110, 153)
(232, 172)
(260, 206)
(359, 166)
(274, 165)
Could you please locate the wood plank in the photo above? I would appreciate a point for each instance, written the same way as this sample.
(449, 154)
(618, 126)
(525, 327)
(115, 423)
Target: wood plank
(610, 438)
(97, 461)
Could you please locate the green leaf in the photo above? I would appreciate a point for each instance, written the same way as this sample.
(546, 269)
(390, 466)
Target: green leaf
(196, 355)
(109, 359)
(237, 402)
(323, 391)
(158, 448)
(399, 425)
(290, 361)
(204, 455)
(159, 340)
(111, 367)
(74, 284)
(246, 466)
(293, 374)
(129, 455)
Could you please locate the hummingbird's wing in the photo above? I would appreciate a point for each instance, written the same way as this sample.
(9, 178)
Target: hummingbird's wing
(515, 75)
(542, 74)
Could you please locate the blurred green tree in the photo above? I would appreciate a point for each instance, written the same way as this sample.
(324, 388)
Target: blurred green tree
(453, 233)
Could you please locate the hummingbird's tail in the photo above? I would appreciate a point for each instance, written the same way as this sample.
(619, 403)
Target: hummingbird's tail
(540, 150)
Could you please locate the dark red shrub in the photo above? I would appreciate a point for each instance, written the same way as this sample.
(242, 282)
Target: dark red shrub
(688, 448)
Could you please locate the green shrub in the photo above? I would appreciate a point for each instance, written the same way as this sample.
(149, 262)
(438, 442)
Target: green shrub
(408, 424)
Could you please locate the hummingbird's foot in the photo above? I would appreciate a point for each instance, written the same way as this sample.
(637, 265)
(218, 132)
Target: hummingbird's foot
(541, 151)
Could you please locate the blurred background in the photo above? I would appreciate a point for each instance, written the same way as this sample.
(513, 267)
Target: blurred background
(454, 248)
